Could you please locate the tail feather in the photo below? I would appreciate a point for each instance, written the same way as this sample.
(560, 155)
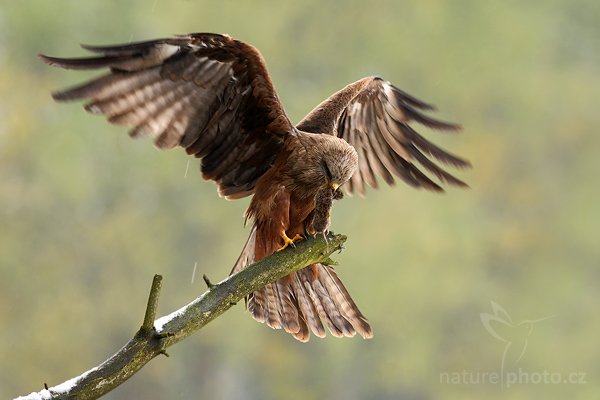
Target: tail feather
(332, 310)
(321, 312)
(347, 307)
(304, 301)
(303, 334)
(307, 308)
(272, 307)
(255, 303)
(247, 255)
(287, 306)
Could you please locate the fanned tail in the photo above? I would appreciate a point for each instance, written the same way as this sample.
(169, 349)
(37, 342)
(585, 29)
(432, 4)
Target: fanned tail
(307, 300)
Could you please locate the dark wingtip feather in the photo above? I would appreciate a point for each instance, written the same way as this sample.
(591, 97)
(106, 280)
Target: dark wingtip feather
(463, 163)
(75, 93)
(433, 150)
(59, 96)
(67, 95)
(410, 99)
(434, 188)
(431, 122)
(84, 62)
(126, 49)
(455, 127)
(433, 168)
(52, 61)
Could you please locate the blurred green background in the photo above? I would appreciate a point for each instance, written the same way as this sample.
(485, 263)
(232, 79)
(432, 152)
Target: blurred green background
(87, 216)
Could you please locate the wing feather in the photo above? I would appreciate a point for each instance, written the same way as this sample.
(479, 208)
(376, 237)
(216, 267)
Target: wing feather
(372, 142)
(108, 85)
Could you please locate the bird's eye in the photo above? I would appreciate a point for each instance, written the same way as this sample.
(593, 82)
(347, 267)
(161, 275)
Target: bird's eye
(326, 169)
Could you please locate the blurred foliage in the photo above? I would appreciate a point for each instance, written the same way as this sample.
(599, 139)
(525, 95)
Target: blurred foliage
(87, 216)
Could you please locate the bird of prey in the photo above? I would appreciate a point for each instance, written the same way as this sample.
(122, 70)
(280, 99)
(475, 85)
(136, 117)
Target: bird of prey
(212, 95)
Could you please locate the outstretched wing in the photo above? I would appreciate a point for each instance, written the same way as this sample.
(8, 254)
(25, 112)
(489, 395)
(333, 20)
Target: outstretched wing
(373, 116)
(205, 92)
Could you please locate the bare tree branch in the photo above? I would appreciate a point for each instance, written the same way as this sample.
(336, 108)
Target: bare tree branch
(155, 336)
(152, 306)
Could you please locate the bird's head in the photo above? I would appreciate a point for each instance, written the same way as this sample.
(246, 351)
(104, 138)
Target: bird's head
(338, 163)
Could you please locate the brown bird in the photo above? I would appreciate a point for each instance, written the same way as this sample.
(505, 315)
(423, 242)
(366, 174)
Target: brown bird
(212, 95)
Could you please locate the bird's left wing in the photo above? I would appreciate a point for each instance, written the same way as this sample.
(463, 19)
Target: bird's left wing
(375, 117)
(205, 92)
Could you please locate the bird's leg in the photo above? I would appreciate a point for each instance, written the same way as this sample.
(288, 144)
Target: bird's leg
(287, 241)
(309, 228)
(321, 214)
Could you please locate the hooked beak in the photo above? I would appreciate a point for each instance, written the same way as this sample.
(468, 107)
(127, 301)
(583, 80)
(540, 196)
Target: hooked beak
(335, 185)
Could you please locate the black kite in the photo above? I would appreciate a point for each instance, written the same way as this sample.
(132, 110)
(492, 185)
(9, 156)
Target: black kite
(212, 95)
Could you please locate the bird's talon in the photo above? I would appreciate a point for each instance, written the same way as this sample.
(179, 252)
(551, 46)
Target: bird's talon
(289, 242)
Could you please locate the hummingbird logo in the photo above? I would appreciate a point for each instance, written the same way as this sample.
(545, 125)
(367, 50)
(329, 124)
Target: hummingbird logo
(515, 336)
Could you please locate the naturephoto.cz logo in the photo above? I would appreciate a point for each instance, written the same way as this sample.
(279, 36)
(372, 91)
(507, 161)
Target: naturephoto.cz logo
(515, 337)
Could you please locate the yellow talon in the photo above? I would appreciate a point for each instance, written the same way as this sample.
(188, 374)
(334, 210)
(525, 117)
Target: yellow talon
(287, 241)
